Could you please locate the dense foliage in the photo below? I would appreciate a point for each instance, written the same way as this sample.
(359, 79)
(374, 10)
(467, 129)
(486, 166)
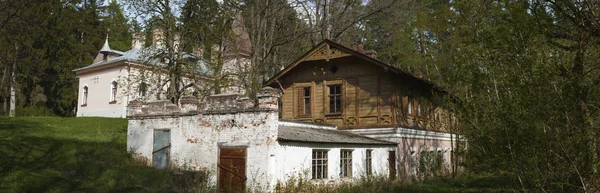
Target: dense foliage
(525, 73)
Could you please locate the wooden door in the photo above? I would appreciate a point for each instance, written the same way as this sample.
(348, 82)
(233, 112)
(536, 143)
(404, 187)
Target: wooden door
(232, 170)
(392, 164)
(161, 149)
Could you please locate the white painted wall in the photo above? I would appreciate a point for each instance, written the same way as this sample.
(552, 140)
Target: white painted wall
(196, 140)
(411, 143)
(295, 160)
(98, 83)
(129, 79)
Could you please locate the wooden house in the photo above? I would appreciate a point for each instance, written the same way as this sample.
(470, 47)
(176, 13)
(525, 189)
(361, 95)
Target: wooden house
(334, 84)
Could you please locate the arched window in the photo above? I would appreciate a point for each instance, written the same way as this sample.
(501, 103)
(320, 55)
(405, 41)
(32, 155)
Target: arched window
(85, 96)
(143, 89)
(113, 92)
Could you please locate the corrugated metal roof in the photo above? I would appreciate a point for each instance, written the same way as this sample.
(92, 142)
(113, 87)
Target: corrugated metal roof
(304, 134)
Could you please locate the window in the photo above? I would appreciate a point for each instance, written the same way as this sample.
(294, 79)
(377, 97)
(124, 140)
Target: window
(85, 96)
(319, 164)
(424, 157)
(113, 92)
(409, 105)
(304, 102)
(452, 158)
(143, 89)
(413, 162)
(419, 111)
(346, 163)
(368, 158)
(335, 99)
(439, 161)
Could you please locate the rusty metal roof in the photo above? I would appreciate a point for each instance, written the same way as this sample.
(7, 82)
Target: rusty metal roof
(305, 134)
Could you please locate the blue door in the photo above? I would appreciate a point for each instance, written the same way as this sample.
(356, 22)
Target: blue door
(161, 150)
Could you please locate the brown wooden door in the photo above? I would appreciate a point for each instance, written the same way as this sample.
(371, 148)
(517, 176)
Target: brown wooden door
(392, 164)
(232, 170)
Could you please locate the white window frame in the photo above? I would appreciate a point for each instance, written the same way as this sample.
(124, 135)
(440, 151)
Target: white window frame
(113, 96)
(85, 90)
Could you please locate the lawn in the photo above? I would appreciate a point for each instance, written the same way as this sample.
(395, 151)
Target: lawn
(53, 154)
(50, 154)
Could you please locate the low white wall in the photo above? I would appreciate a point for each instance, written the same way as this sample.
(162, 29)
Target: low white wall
(295, 160)
(195, 142)
(411, 143)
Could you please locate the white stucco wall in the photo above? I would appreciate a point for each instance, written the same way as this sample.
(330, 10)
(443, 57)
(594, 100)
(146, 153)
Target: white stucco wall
(99, 90)
(196, 139)
(411, 143)
(295, 160)
(129, 78)
(195, 142)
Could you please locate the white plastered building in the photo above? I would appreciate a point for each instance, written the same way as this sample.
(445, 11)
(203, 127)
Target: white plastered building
(115, 78)
(243, 146)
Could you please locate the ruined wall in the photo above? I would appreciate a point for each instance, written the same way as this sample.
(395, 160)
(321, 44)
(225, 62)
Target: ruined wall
(198, 130)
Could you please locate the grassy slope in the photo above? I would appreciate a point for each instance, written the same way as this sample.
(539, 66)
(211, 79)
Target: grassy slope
(49, 154)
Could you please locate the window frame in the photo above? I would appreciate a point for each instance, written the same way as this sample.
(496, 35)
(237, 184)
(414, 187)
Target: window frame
(439, 159)
(319, 164)
(346, 163)
(84, 97)
(301, 101)
(423, 161)
(410, 104)
(114, 87)
(143, 89)
(337, 97)
(369, 162)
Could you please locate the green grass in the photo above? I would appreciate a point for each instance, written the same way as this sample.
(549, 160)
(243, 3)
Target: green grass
(52, 154)
(463, 184)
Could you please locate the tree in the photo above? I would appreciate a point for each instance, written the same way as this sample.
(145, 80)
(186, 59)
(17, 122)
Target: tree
(117, 27)
(169, 48)
(53, 38)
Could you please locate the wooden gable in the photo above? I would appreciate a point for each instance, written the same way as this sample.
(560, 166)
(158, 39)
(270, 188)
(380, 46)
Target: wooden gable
(327, 53)
(336, 85)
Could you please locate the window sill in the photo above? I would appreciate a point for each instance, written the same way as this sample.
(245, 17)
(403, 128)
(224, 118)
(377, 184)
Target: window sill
(112, 102)
(84, 105)
(333, 114)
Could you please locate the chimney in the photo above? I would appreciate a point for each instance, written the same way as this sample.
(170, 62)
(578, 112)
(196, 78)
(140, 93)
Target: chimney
(360, 48)
(371, 53)
(418, 74)
(157, 38)
(137, 40)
